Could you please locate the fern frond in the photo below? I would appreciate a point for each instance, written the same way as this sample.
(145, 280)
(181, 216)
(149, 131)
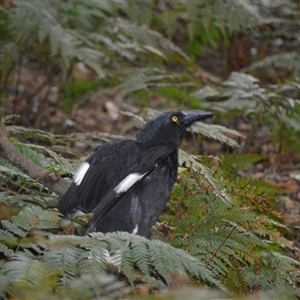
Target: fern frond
(70, 261)
(13, 229)
(10, 174)
(237, 162)
(22, 265)
(218, 132)
(230, 237)
(146, 36)
(40, 135)
(25, 227)
(193, 162)
(6, 251)
(60, 164)
(289, 61)
(144, 78)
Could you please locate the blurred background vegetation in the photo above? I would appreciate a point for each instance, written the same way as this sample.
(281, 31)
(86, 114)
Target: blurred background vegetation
(74, 74)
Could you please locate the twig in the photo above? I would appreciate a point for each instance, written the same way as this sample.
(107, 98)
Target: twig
(50, 180)
(216, 251)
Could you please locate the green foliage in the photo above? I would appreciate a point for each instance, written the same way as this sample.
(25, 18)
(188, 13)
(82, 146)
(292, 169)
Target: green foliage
(181, 96)
(63, 262)
(144, 78)
(277, 107)
(13, 176)
(77, 90)
(60, 35)
(87, 32)
(224, 229)
(113, 37)
(282, 20)
(207, 22)
(240, 241)
(225, 234)
(288, 61)
(7, 118)
(49, 157)
(122, 41)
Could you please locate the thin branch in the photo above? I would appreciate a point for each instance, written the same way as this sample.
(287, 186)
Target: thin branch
(216, 251)
(50, 180)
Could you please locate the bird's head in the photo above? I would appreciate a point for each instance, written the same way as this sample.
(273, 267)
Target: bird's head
(169, 126)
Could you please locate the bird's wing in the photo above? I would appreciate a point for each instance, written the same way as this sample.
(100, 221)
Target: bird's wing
(96, 175)
(144, 163)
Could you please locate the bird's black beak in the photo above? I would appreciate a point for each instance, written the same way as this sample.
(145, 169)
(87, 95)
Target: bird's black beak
(192, 116)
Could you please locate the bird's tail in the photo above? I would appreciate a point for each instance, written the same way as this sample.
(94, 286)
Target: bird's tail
(68, 203)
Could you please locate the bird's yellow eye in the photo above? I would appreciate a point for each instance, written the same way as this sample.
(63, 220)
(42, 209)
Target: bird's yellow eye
(175, 120)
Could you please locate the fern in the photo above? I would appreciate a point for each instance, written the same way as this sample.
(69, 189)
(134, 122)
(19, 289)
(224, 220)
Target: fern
(150, 40)
(242, 94)
(144, 78)
(284, 33)
(58, 163)
(207, 23)
(223, 240)
(38, 135)
(27, 226)
(238, 162)
(70, 260)
(92, 37)
(226, 227)
(245, 233)
(11, 175)
(52, 29)
(289, 61)
(220, 133)
(192, 162)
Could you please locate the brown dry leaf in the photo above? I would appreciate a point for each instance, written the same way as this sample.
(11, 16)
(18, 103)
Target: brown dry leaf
(290, 185)
(68, 231)
(179, 281)
(7, 211)
(7, 4)
(143, 289)
(289, 204)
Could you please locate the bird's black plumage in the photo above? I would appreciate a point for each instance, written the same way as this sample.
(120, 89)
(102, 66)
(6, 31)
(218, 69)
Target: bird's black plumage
(127, 182)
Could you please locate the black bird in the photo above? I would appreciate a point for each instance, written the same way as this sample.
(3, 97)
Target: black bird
(127, 182)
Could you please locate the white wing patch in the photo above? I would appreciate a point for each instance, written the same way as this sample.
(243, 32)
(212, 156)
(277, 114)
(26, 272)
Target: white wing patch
(128, 182)
(79, 175)
(136, 228)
